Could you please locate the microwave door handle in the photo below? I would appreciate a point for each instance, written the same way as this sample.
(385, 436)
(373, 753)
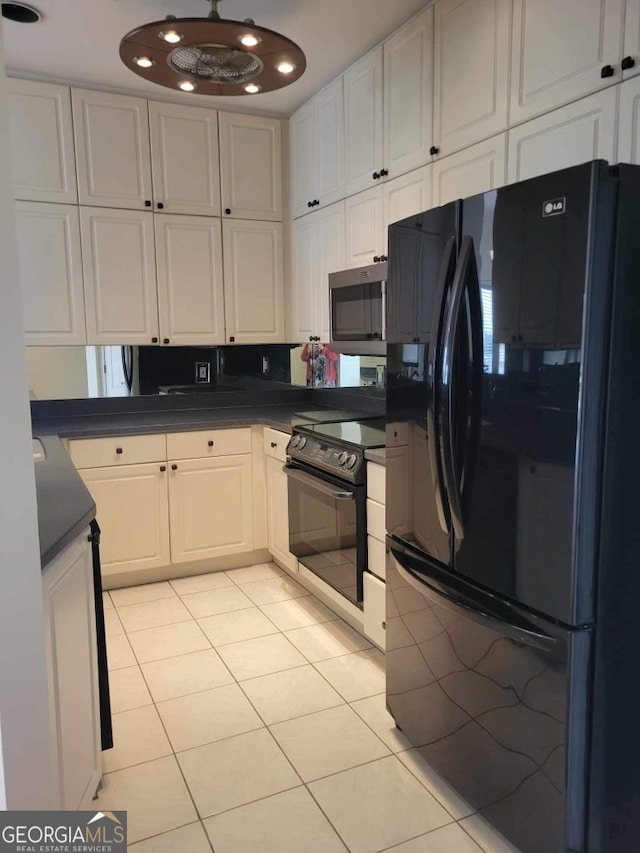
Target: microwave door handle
(317, 484)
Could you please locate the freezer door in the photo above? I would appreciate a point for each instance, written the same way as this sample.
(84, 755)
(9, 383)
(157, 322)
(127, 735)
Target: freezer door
(422, 259)
(493, 698)
(512, 421)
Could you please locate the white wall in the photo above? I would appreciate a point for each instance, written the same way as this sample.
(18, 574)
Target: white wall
(25, 758)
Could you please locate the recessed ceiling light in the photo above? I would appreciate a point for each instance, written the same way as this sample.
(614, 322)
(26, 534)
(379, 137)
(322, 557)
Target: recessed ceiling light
(252, 88)
(144, 61)
(249, 40)
(20, 13)
(171, 36)
(187, 85)
(285, 67)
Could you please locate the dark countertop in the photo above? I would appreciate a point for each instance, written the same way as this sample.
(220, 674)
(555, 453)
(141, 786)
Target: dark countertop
(378, 455)
(65, 507)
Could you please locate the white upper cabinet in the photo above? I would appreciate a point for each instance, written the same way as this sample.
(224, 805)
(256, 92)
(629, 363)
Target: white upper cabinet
(407, 195)
(41, 132)
(364, 138)
(253, 281)
(329, 105)
(190, 283)
(184, 151)
(303, 161)
(119, 276)
(631, 47)
(251, 167)
(365, 231)
(50, 273)
(577, 133)
(112, 150)
(629, 132)
(408, 88)
(560, 52)
(331, 258)
(470, 172)
(471, 71)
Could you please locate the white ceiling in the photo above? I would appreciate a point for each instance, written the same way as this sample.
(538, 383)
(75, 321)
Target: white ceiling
(77, 41)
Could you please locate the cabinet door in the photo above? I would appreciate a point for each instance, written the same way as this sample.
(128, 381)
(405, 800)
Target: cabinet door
(72, 674)
(190, 283)
(303, 168)
(186, 163)
(251, 163)
(277, 514)
(330, 142)
(133, 514)
(119, 276)
(210, 508)
(43, 166)
(364, 227)
(364, 134)
(304, 274)
(629, 132)
(50, 264)
(632, 36)
(471, 71)
(253, 282)
(112, 149)
(375, 608)
(407, 195)
(408, 92)
(330, 226)
(559, 50)
(569, 136)
(470, 172)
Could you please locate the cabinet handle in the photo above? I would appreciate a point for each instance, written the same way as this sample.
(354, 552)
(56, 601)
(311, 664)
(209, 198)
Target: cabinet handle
(147, 203)
(227, 210)
(384, 626)
(274, 444)
(384, 173)
(160, 206)
(627, 63)
(154, 340)
(165, 340)
(119, 450)
(210, 443)
(376, 176)
(174, 467)
(309, 204)
(163, 468)
(316, 203)
(434, 150)
(384, 258)
(376, 259)
(607, 71)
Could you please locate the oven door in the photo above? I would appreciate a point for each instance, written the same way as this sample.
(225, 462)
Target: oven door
(327, 526)
(358, 311)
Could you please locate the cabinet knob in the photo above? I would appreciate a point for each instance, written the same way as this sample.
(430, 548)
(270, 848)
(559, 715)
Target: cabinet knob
(174, 467)
(316, 203)
(376, 259)
(376, 176)
(434, 150)
(309, 204)
(274, 444)
(163, 468)
(384, 258)
(607, 71)
(147, 202)
(210, 443)
(154, 340)
(384, 626)
(227, 210)
(232, 339)
(384, 173)
(165, 340)
(119, 450)
(160, 206)
(627, 63)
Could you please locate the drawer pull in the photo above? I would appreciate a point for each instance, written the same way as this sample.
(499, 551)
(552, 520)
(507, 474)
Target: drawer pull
(210, 443)
(274, 444)
(174, 467)
(163, 468)
(118, 450)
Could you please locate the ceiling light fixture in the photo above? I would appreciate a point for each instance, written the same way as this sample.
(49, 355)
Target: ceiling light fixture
(21, 13)
(212, 55)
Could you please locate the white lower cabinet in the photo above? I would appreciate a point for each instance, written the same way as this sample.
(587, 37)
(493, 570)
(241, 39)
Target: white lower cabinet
(374, 613)
(72, 675)
(582, 131)
(210, 507)
(470, 172)
(132, 511)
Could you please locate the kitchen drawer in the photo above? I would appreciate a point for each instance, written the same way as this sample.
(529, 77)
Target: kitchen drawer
(376, 525)
(211, 442)
(123, 450)
(275, 443)
(376, 482)
(397, 434)
(377, 557)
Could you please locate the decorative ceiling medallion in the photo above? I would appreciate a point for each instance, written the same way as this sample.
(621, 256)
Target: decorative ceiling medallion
(212, 56)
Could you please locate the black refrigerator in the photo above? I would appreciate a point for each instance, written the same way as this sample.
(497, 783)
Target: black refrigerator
(513, 588)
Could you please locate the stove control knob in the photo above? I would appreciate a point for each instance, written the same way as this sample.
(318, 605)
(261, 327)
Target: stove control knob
(302, 441)
(351, 461)
(295, 441)
(342, 458)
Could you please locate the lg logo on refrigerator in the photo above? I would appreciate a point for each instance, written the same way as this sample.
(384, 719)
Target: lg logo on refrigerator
(555, 207)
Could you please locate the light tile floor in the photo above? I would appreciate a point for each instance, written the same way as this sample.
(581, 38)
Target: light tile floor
(249, 717)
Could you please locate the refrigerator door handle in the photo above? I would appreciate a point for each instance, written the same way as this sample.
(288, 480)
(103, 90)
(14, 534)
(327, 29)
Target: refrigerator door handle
(466, 263)
(434, 434)
(479, 610)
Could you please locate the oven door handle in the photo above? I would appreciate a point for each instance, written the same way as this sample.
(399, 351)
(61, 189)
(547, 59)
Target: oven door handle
(317, 484)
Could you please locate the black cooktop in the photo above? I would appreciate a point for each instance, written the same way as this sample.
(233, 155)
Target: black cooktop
(366, 434)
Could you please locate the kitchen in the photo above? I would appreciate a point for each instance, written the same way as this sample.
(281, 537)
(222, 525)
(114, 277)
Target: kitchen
(221, 260)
